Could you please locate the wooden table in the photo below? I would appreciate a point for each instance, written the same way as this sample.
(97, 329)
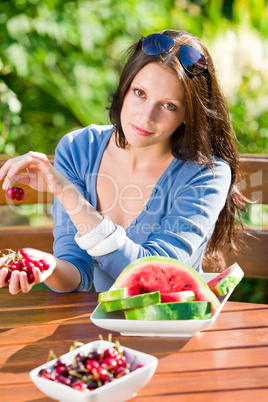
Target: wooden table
(227, 362)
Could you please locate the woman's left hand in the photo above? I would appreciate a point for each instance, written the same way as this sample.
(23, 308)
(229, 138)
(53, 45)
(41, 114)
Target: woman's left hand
(18, 279)
(40, 176)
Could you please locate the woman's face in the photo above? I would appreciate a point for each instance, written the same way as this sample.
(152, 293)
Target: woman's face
(153, 108)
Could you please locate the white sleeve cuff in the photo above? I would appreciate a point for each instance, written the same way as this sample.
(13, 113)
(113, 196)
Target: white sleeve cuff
(110, 243)
(95, 236)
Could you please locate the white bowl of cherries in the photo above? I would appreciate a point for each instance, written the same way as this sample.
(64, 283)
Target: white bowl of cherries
(98, 371)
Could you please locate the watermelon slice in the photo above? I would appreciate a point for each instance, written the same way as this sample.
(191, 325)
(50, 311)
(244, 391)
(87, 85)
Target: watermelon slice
(166, 275)
(186, 295)
(130, 302)
(171, 311)
(119, 294)
(226, 280)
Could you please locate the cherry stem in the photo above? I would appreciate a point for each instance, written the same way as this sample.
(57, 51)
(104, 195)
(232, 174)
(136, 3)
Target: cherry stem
(10, 184)
(77, 344)
(7, 249)
(51, 355)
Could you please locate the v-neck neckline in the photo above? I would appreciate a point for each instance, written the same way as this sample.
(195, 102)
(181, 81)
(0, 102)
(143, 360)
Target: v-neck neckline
(95, 174)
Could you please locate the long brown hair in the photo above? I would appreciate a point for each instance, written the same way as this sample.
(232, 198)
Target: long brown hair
(206, 134)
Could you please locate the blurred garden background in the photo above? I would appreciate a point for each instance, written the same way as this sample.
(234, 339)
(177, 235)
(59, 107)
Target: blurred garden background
(59, 65)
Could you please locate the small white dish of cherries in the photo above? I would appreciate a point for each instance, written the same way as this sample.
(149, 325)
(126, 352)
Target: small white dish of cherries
(98, 371)
(21, 261)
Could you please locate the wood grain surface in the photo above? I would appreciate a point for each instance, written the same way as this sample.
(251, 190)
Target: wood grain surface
(227, 361)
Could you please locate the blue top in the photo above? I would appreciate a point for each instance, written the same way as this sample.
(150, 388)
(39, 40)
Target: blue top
(177, 221)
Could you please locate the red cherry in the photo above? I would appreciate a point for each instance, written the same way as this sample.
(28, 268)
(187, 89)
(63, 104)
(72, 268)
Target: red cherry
(111, 352)
(20, 195)
(138, 366)
(28, 269)
(15, 193)
(15, 266)
(99, 373)
(91, 364)
(46, 375)
(39, 265)
(109, 363)
(7, 280)
(12, 193)
(121, 360)
(80, 386)
(121, 371)
(30, 278)
(22, 252)
(45, 265)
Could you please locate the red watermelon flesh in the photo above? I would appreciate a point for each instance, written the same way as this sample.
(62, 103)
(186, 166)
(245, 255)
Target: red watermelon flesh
(171, 297)
(226, 280)
(166, 275)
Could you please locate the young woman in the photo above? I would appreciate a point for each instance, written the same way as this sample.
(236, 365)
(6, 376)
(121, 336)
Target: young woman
(161, 180)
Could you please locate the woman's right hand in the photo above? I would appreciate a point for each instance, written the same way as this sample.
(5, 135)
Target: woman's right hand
(18, 279)
(41, 174)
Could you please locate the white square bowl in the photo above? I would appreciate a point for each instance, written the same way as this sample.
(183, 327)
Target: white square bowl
(115, 321)
(119, 390)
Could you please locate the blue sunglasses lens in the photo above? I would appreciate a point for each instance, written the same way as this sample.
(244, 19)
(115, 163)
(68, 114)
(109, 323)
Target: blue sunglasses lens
(192, 60)
(156, 44)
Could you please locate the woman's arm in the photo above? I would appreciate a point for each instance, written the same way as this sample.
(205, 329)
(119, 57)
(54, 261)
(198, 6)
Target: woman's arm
(65, 277)
(42, 176)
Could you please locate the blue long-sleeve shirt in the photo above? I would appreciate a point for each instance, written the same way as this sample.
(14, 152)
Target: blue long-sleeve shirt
(177, 221)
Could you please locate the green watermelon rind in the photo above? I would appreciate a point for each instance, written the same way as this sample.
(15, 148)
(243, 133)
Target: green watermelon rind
(210, 296)
(195, 310)
(132, 302)
(113, 295)
(229, 282)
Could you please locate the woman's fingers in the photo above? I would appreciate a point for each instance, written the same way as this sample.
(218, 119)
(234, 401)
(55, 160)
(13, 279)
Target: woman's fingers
(14, 285)
(3, 275)
(22, 178)
(13, 166)
(10, 166)
(40, 156)
(41, 175)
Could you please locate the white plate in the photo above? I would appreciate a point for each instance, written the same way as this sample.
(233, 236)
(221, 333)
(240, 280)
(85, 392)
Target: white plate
(119, 390)
(116, 321)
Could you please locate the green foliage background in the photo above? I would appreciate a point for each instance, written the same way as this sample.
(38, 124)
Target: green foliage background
(59, 65)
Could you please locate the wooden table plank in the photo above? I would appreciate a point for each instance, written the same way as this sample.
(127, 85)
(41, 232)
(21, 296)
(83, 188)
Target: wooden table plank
(61, 337)
(204, 341)
(238, 319)
(23, 393)
(239, 306)
(223, 380)
(177, 362)
(216, 359)
(39, 316)
(229, 360)
(44, 299)
(259, 395)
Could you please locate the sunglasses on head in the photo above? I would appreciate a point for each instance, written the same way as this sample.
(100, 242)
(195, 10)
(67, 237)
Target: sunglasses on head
(191, 59)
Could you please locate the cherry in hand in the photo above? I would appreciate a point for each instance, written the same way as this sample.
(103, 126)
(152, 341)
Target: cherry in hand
(15, 193)
(21, 261)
